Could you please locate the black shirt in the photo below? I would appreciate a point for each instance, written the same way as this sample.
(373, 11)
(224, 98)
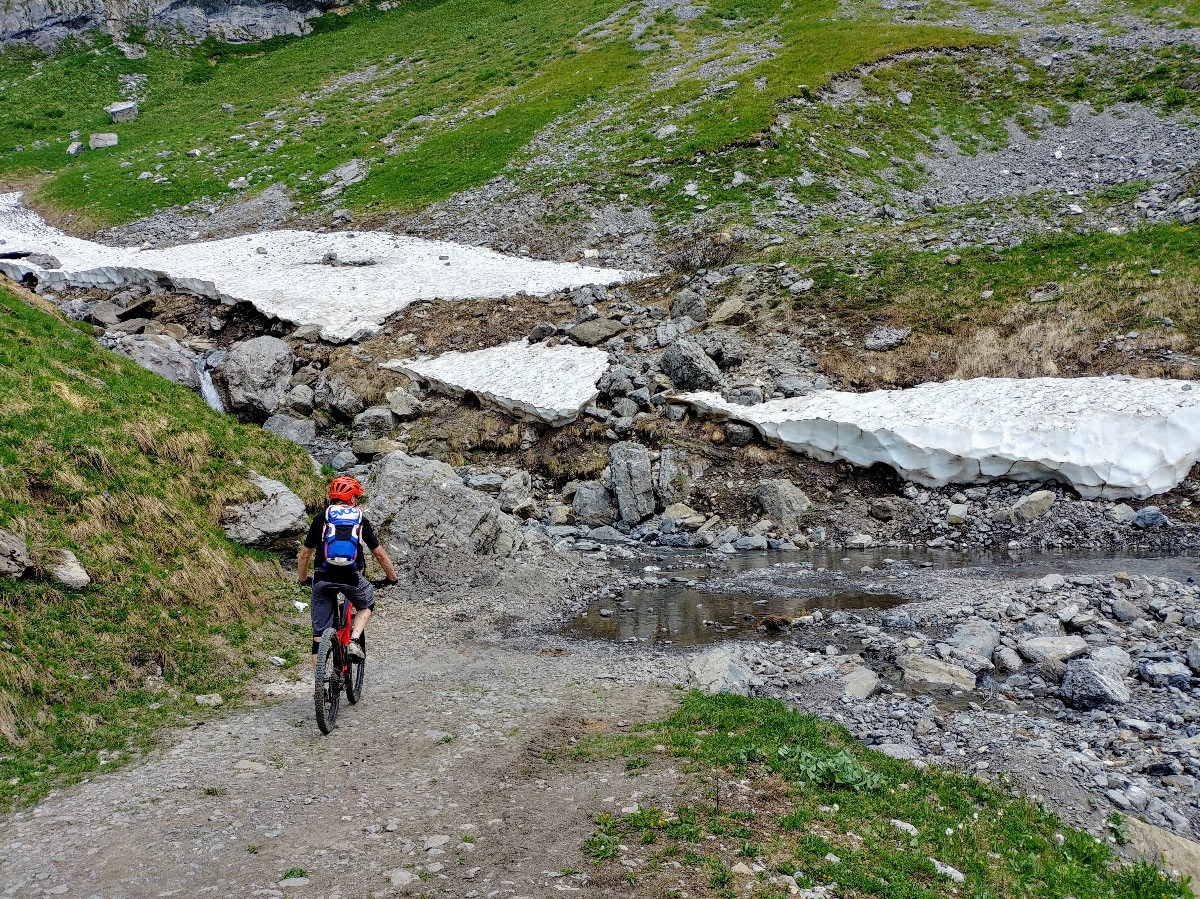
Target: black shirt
(338, 574)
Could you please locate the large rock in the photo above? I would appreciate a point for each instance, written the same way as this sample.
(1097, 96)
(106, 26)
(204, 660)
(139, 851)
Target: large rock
(1097, 680)
(1105, 436)
(269, 521)
(335, 395)
(1180, 856)
(673, 475)
(420, 503)
(1032, 507)
(1052, 649)
(783, 502)
(258, 374)
(596, 331)
(163, 355)
(935, 674)
(403, 404)
(1165, 674)
(593, 504)
(68, 571)
(632, 481)
(861, 683)
(716, 671)
(298, 430)
(516, 491)
(975, 637)
(689, 367)
(14, 555)
(373, 424)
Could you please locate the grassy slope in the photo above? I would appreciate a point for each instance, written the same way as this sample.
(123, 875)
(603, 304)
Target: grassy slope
(479, 77)
(130, 472)
(811, 791)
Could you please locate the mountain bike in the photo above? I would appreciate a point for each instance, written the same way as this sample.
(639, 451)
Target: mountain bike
(335, 670)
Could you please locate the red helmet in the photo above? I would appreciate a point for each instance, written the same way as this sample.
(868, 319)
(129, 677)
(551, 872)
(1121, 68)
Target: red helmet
(345, 488)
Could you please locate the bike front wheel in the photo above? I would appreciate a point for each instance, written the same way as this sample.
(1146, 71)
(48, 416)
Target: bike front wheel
(327, 682)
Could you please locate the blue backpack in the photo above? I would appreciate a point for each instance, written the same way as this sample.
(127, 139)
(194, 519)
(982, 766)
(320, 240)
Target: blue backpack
(343, 532)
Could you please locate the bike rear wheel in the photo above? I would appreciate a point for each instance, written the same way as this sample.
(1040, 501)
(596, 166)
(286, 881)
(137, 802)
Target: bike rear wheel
(357, 674)
(327, 682)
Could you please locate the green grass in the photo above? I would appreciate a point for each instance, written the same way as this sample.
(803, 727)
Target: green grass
(438, 95)
(131, 473)
(791, 820)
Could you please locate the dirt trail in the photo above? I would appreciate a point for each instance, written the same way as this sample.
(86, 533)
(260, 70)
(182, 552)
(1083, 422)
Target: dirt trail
(445, 752)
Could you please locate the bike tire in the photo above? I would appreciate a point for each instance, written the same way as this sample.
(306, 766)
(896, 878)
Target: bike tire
(327, 681)
(358, 673)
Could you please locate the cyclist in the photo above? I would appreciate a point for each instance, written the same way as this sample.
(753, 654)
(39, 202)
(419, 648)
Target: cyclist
(337, 536)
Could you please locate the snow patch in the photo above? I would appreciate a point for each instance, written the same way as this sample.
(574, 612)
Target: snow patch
(1109, 436)
(281, 272)
(548, 383)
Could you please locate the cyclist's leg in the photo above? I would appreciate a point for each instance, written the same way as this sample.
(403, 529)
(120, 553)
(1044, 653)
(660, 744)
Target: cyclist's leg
(362, 597)
(324, 596)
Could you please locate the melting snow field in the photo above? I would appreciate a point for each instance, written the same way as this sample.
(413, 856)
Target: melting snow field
(281, 273)
(548, 383)
(1112, 436)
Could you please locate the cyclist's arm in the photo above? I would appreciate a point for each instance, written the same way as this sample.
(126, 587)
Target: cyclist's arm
(385, 562)
(302, 562)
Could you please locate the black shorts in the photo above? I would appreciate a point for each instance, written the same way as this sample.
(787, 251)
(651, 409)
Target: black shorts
(324, 601)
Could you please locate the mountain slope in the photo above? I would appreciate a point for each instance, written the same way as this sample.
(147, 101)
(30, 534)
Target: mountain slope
(131, 473)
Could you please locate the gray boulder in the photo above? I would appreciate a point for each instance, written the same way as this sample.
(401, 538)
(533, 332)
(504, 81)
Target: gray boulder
(596, 331)
(373, 424)
(163, 355)
(689, 367)
(689, 304)
(593, 504)
(632, 481)
(420, 503)
(68, 571)
(738, 434)
(783, 502)
(1097, 680)
(1165, 674)
(403, 404)
(14, 555)
(1149, 518)
(673, 475)
(935, 674)
(975, 637)
(716, 671)
(1052, 649)
(269, 521)
(258, 374)
(886, 338)
(336, 396)
(1033, 506)
(516, 491)
(298, 430)
(1193, 656)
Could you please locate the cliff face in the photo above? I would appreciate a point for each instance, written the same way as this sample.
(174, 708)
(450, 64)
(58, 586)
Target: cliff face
(46, 23)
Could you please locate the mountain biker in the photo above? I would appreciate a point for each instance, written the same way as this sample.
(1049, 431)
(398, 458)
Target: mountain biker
(337, 536)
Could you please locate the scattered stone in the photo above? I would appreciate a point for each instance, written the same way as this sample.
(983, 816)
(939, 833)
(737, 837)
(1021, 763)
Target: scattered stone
(122, 110)
(716, 671)
(861, 683)
(933, 673)
(1032, 506)
(403, 404)
(738, 434)
(596, 331)
(298, 430)
(783, 502)
(1052, 649)
(689, 367)
(593, 504)
(209, 699)
(886, 338)
(68, 571)
(1150, 517)
(102, 141)
(947, 871)
(14, 555)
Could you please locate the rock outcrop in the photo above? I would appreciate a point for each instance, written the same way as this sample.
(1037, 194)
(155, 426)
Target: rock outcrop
(269, 521)
(420, 503)
(258, 374)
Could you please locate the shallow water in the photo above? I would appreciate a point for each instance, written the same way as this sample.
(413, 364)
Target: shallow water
(732, 600)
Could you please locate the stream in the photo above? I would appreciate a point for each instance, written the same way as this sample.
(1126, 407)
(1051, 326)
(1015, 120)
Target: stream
(688, 598)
